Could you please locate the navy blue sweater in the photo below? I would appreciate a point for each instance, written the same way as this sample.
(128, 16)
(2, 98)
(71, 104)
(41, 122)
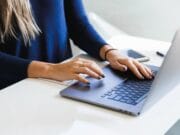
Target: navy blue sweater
(59, 21)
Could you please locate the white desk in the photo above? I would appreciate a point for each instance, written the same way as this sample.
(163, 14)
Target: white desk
(34, 107)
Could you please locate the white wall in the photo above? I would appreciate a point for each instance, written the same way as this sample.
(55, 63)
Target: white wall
(156, 19)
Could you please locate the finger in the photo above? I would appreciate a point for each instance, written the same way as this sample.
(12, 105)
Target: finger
(84, 60)
(80, 78)
(90, 64)
(142, 69)
(94, 67)
(117, 65)
(86, 70)
(78, 62)
(135, 70)
(149, 71)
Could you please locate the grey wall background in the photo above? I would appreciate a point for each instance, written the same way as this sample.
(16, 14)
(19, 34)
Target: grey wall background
(155, 19)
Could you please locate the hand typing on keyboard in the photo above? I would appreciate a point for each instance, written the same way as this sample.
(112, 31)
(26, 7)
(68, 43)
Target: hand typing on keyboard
(131, 91)
(122, 63)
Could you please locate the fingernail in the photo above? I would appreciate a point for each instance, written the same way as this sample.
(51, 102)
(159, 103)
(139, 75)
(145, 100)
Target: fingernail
(150, 77)
(142, 78)
(99, 78)
(103, 76)
(88, 83)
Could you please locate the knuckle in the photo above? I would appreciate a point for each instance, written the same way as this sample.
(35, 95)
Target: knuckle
(85, 69)
(136, 61)
(89, 64)
(139, 64)
(76, 63)
(78, 59)
(129, 61)
(74, 60)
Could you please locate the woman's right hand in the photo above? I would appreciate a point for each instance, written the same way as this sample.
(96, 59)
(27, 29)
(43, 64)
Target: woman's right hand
(68, 70)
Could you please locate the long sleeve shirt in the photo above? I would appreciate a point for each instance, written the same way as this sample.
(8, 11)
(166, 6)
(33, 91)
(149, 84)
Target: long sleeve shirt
(59, 21)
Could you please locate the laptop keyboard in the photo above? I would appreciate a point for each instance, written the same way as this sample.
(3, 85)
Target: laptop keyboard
(132, 91)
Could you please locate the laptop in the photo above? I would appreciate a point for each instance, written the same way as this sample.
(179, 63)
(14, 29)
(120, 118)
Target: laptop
(123, 92)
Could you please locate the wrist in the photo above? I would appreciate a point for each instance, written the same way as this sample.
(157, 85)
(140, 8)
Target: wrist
(108, 53)
(112, 54)
(103, 50)
(38, 69)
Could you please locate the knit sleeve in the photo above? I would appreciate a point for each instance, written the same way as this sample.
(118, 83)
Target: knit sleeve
(12, 69)
(80, 30)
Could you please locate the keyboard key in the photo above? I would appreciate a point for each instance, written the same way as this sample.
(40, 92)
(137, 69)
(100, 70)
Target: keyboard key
(112, 96)
(117, 98)
(141, 98)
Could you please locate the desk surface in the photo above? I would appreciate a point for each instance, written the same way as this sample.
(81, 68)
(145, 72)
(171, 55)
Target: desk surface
(34, 107)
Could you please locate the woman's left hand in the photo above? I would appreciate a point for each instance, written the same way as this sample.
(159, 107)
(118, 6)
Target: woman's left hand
(122, 63)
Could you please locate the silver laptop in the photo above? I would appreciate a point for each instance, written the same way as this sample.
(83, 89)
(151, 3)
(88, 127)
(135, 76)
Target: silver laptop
(124, 92)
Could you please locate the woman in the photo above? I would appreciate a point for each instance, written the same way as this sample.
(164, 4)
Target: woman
(35, 40)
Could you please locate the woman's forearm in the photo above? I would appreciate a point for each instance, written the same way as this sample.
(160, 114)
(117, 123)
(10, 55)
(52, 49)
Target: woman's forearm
(37, 69)
(68, 70)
